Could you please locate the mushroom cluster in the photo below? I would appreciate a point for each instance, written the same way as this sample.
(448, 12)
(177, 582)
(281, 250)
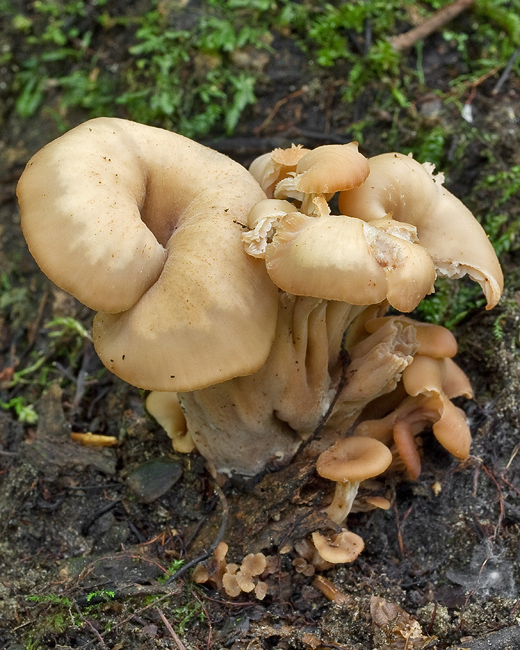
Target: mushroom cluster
(234, 579)
(254, 315)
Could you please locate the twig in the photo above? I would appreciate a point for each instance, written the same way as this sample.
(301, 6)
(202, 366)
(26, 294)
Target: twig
(474, 84)
(170, 629)
(276, 108)
(515, 450)
(509, 484)
(8, 453)
(507, 71)
(500, 501)
(208, 619)
(92, 628)
(135, 613)
(508, 637)
(166, 586)
(81, 381)
(398, 526)
(102, 511)
(432, 619)
(490, 539)
(438, 19)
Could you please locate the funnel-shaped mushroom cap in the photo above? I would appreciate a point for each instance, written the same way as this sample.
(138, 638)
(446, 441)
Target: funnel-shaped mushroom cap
(346, 259)
(457, 243)
(262, 220)
(144, 225)
(272, 209)
(354, 459)
(440, 380)
(430, 384)
(325, 170)
(434, 340)
(427, 375)
(340, 548)
(270, 168)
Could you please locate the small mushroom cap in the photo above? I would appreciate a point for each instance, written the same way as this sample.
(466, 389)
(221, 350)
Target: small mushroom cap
(326, 170)
(429, 383)
(457, 243)
(325, 257)
(245, 581)
(455, 382)
(273, 209)
(342, 547)
(231, 586)
(200, 574)
(262, 220)
(409, 269)
(439, 380)
(378, 502)
(452, 430)
(254, 564)
(271, 167)
(144, 226)
(354, 459)
(220, 554)
(261, 589)
(427, 375)
(434, 340)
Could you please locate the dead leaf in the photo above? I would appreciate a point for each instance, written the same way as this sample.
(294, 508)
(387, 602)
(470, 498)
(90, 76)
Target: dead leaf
(395, 629)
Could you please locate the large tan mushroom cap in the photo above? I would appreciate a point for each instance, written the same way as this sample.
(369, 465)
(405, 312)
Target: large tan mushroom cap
(343, 258)
(401, 186)
(354, 459)
(144, 225)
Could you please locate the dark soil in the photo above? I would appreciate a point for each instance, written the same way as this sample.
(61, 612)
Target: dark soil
(88, 535)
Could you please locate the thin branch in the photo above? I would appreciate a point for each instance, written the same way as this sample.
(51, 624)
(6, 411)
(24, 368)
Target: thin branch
(170, 629)
(400, 542)
(8, 453)
(91, 627)
(404, 41)
(507, 71)
(301, 91)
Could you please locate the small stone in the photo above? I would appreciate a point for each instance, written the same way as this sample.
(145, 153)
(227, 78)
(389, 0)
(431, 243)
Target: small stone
(153, 478)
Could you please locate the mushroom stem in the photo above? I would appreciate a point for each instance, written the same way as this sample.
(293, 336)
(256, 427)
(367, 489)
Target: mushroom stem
(244, 424)
(341, 505)
(407, 449)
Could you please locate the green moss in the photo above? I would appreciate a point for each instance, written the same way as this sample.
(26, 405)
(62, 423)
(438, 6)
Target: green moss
(178, 68)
